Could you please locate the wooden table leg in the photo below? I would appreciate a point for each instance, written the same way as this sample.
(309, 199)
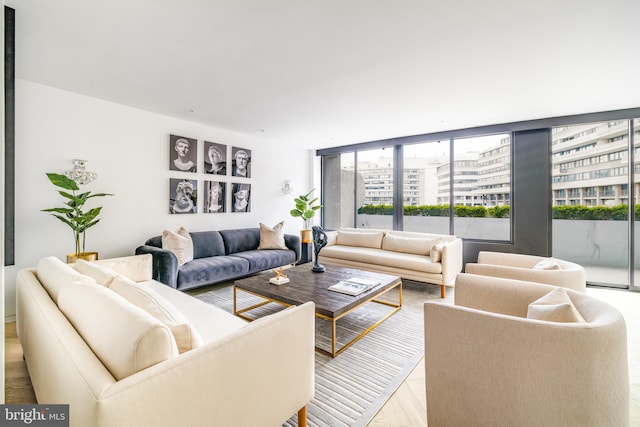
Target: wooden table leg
(302, 417)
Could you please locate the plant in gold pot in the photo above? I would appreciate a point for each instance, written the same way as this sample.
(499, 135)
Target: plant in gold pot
(73, 215)
(306, 209)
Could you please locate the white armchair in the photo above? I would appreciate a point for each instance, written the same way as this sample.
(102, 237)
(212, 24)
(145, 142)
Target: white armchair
(524, 267)
(488, 365)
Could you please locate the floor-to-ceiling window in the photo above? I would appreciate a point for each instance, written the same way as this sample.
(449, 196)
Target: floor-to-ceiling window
(482, 187)
(553, 187)
(339, 190)
(590, 198)
(423, 184)
(480, 178)
(375, 169)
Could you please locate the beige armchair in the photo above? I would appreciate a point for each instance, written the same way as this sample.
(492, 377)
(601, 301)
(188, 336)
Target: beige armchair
(488, 365)
(523, 267)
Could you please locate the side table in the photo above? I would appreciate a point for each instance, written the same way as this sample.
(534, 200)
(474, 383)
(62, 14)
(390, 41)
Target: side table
(307, 253)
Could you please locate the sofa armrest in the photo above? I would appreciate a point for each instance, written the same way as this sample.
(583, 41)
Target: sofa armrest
(451, 260)
(165, 264)
(261, 374)
(293, 242)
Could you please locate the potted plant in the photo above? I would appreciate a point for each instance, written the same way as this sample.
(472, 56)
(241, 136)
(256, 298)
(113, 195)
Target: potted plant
(73, 214)
(305, 209)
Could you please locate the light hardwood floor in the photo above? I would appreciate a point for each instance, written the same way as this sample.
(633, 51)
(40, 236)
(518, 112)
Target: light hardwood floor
(407, 406)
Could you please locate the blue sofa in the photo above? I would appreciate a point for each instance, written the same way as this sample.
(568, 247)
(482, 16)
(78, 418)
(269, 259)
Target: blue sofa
(218, 256)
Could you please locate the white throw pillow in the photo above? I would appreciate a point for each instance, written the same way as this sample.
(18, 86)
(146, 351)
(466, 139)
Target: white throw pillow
(124, 337)
(547, 264)
(55, 275)
(272, 237)
(135, 267)
(436, 252)
(101, 274)
(186, 337)
(180, 244)
(556, 306)
(408, 245)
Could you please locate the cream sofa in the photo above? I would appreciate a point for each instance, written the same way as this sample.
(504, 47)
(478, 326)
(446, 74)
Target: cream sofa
(431, 258)
(530, 268)
(123, 350)
(489, 363)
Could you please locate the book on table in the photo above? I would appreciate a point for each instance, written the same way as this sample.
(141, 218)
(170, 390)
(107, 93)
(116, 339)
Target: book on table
(354, 285)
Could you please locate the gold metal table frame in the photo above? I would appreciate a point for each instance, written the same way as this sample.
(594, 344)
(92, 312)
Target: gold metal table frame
(334, 351)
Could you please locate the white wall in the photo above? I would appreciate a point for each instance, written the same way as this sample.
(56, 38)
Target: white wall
(129, 149)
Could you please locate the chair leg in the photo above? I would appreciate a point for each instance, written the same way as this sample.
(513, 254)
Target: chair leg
(442, 288)
(302, 417)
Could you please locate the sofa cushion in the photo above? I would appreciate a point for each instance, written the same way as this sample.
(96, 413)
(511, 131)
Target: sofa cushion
(103, 318)
(210, 270)
(55, 275)
(263, 260)
(150, 301)
(240, 240)
(383, 258)
(556, 306)
(362, 239)
(135, 267)
(211, 322)
(547, 264)
(102, 275)
(206, 244)
(179, 243)
(272, 237)
(409, 245)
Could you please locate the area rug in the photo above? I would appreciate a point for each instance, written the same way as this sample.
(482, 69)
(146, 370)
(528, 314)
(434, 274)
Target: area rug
(352, 387)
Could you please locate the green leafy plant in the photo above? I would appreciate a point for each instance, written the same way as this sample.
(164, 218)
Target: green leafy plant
(73, 215)
(305, 208)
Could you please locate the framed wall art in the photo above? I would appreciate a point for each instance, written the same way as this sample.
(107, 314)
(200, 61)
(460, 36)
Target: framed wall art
(215, 158)
(240, 197)
(241, 162)
(215, 193)
(183, 153)
(183, 196)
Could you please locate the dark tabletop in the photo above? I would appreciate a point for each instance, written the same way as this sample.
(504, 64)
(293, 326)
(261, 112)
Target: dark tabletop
(305, 285)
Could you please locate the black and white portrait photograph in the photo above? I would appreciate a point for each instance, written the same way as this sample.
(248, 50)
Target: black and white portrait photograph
(215, 158)
(183, 196)
(241, 162)
(240, 197)
(215, 196)
(183, 153)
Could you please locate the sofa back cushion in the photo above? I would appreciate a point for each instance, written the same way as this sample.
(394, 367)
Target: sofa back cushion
(55, 275)
(240, 240)
(101, 274)
(140, 295)
(362, 239)
(409, 245)
(421, 235)
(124, 337)
(207, 244)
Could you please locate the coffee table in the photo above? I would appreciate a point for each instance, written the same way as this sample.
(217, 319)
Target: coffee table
(305, 285)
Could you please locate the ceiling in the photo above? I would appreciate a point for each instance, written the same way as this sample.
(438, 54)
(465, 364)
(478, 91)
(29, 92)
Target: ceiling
(321, 73)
